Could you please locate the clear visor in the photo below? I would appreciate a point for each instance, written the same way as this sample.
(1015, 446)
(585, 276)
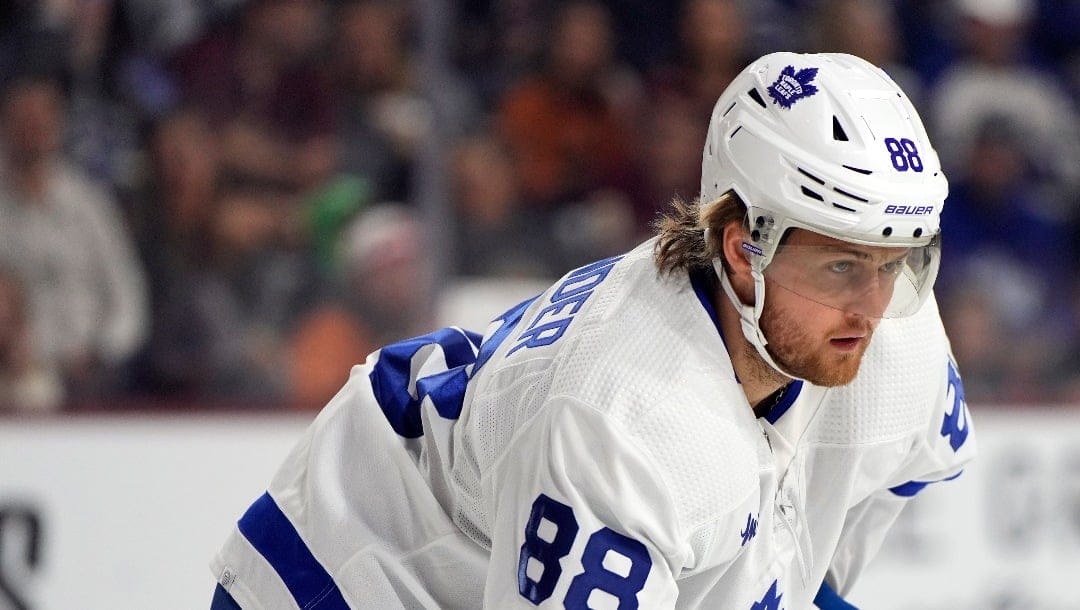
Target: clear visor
(875, 282)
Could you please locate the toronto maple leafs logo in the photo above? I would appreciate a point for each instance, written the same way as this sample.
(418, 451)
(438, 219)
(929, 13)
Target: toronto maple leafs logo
(792, 86)
(771, 601)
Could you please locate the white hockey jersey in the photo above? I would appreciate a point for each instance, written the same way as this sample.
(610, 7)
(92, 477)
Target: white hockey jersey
(595, 449)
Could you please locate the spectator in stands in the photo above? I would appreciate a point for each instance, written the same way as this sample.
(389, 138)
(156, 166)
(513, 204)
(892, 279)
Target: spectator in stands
(102, 128)
(994, 80)
(495, 234)
(26, 383)
(89, 46)
(566, 126)
(178, 196)
(324, 344)
(387, 279)
(292, 107)
(32, 37)
(570, 131)
(386, 116)
(498, 43)
(1004, 362)
(259, 278)
(381, 112)
(996, 221)
(868, 29)
(672, 165)
(713, 49)
(66, 238)
(231, 272)
(173, 213)
(382, 292)
(1009, 136)
(997, 208)
(259, 80)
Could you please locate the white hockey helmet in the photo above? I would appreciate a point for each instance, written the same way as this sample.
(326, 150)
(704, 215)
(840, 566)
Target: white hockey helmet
(828, 143)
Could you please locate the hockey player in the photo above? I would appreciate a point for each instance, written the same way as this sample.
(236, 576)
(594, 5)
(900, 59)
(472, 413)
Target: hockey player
(729, 416)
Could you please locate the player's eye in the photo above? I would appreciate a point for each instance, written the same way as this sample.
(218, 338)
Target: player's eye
(893, 267)
(840, 266)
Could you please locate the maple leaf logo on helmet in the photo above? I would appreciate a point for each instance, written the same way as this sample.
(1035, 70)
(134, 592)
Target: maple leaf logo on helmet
(792, 86)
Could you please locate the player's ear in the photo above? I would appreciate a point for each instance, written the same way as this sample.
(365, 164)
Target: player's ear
(737, 260)
(734, 234)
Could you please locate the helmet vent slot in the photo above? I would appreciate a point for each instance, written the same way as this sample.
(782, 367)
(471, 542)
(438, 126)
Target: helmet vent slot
(865, 172)
(753, 93)
(847, 194)
(810, 176)
(812, 194)
(838, 132)
(728, 109)
(842, 207)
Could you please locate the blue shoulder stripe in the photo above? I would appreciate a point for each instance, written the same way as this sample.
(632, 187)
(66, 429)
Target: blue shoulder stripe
(913, 487)
(828, 599)
(271, 533)
(391, 375)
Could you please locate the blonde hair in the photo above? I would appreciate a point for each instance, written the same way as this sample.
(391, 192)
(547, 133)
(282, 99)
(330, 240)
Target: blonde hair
(681, 232)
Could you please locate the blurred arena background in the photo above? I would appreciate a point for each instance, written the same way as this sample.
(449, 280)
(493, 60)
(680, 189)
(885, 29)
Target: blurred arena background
(211, 209)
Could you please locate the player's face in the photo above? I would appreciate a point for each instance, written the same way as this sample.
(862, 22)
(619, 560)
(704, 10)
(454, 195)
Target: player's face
(821, 343)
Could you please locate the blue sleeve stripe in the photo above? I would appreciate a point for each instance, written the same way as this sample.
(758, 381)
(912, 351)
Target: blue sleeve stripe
(913, 487)
(223, 601)
(829, 599)
(271, 533)
(909, 489)
(391, 375)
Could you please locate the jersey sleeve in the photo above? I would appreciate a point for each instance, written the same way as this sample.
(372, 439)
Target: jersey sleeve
(938, 454)
(580, 512)
(351, 519)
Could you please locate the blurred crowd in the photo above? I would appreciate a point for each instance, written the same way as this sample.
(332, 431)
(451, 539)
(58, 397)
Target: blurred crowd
(227, 203)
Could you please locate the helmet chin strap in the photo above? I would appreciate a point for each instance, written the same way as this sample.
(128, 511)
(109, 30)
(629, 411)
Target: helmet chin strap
(750, 315)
